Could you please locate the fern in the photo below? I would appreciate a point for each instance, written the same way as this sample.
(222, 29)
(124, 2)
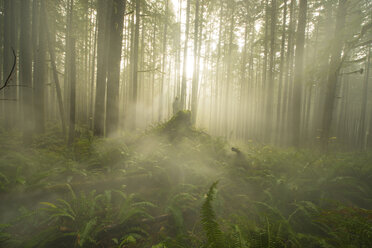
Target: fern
(213, 232)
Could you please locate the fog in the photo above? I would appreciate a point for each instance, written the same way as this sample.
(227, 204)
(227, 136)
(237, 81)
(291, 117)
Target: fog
(185, 123)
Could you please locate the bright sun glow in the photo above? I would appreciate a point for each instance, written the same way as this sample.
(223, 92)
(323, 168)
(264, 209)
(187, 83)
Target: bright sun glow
(189, 66)
(257, 26)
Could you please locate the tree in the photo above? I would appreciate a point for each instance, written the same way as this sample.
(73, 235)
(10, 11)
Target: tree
(270, 84)
(333, 71)
(163, 60)
(72, 77)
(298, 73)
(9, 44)
(72, 112)
(113, 75)
(40, 70)
(183, 81)
(195, 84)
(55, 75)
(362, 130)
(135, 64)
(103, 16)
(25, 70)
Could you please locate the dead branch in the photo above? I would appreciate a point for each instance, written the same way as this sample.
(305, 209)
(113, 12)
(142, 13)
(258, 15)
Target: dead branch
(128, 13)
(11, 71)
(151, 70)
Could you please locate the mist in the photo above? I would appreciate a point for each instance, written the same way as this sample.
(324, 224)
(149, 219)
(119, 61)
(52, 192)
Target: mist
(185, 123)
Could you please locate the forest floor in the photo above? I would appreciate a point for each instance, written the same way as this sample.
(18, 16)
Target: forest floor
(176, 186)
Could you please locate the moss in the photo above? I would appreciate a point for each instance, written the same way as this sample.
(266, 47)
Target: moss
(177, 127)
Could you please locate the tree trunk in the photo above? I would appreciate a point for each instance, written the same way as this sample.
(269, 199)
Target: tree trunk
(281, 69)
(288, 78)
(55, 75)
(195, 83)
(184, 76)
(362, 130)
(135, 64)
(228, 76)
(39, 84)
(164, 50)
(217, 102)
(333, 71)
(9, 44)
(270, 84)
(71, 131)
(93, 66)
(298, 76)
(25, 70)
(113, 76)
(103, 14)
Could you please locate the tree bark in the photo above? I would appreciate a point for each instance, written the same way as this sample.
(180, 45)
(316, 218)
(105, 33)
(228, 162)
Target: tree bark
(184, 76)
(39, 84)
(270, 84)
(298, 76)
(55, 76)
(164, 50)
(135, 64)
(195, 83)
(113, 76)
(281, 73)
(72, 120)
(362, 129)
(333, 71)
(103, 16)
(25, 70)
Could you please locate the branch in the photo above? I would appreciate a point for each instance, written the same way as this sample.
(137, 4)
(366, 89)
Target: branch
(11, 72)
(20, 85)
(151, 70)
(352, 72)
(128, 13)
(356, 60)
(363, 43)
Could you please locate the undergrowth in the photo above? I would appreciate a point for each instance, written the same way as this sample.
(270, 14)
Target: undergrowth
(158, 189)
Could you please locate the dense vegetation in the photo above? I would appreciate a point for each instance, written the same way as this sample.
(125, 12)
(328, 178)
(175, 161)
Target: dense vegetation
(175, 186)
(185, 123)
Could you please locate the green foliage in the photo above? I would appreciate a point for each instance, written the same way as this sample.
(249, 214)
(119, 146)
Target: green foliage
(148, 190)
(209, 221)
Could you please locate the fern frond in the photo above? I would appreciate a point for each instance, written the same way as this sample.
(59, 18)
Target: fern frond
(208, 219)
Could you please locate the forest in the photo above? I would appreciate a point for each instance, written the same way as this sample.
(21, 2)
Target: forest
(185, 123)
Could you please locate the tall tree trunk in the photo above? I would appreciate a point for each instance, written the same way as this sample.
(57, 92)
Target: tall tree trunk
(184, 76)
(72, 112)
(9, 44)
(93, 66)
(285, 134)
(195, 83)
(35, 52)
(216, 97)
(103, 14)
(135, 64)
(281, 71)
(333, 71)
(264, 67)
(164, 51)
(270, 84)
(113, 76)
(298, 76)
(39, 84)
(362, 130)
(66, 79)
(228, 75)
(55, 74)
(25, 70)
